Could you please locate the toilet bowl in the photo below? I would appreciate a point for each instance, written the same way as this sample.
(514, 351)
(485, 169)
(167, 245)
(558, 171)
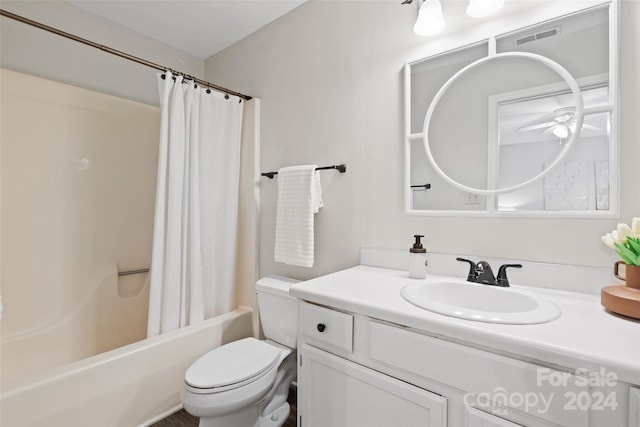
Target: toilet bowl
(246, 383)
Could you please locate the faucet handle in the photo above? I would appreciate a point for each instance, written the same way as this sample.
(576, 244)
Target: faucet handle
(473, 273)
(502, 274)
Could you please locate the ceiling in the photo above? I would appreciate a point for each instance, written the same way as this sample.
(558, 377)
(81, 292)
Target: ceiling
(201, 28)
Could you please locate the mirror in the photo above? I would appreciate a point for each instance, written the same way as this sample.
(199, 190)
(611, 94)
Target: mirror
(503, 133)
(450, 143)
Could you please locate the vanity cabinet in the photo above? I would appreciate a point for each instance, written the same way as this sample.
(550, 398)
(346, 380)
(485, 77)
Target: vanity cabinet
(358, 371)
(336, 392)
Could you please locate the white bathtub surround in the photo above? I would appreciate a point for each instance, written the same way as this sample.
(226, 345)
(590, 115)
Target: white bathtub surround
(195, 225)
(299, 198)
(72, 160)
(573, 278)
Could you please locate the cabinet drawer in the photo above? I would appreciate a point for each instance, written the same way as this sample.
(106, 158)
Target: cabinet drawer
(326, 326)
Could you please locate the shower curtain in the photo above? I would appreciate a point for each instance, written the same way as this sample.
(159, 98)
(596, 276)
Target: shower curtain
(195, 224)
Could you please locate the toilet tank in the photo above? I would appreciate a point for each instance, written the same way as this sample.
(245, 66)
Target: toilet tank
(278, 311)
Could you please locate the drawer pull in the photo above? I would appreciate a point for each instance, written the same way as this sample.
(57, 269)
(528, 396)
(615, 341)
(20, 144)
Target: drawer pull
(321, 327)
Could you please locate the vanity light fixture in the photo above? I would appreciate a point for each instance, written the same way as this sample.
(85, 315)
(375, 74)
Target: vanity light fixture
(482, 8)
(431, 21)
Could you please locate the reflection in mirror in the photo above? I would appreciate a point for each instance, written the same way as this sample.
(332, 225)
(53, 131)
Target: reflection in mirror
(507, 121)
(461, 125)
(581, 180)
(427, 77)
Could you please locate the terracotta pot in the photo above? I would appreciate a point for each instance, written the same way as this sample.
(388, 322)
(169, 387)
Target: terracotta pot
(631, 274)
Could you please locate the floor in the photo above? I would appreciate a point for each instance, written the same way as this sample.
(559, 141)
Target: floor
(183, 419)
(179, 419)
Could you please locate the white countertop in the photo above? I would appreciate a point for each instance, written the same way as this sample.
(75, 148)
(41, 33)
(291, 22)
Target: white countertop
(585, 335)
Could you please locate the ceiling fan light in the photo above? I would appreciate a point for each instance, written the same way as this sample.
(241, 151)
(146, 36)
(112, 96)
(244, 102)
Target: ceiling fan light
(430, 19)
(482, 8)
(561, 131)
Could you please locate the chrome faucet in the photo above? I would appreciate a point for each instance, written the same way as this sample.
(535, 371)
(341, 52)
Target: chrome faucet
(482, 273)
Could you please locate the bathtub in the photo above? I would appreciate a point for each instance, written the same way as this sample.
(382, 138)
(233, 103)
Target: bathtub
(134, 385)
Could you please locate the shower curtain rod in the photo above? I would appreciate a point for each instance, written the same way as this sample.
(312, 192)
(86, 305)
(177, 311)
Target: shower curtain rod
(118, 53)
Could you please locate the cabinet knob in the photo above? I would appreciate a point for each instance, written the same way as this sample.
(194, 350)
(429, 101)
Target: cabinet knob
(321, 327)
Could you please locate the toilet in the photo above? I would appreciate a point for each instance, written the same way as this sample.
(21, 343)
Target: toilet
(246, 383)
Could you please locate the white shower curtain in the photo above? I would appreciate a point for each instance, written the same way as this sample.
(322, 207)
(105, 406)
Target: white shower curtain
(195, 224)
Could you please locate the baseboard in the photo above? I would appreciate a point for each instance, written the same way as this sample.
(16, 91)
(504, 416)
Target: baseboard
(161, 416)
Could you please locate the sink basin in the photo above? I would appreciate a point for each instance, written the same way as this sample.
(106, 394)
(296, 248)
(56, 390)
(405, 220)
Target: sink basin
(482, 303)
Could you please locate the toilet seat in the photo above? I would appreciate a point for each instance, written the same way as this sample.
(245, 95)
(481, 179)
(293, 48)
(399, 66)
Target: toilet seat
(231, 366)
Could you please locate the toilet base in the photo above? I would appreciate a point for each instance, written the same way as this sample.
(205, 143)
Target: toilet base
(277, 417)
(248, 417)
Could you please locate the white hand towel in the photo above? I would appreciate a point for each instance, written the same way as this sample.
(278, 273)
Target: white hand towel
(299, 197)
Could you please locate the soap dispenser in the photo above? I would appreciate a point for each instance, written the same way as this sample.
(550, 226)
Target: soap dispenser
(418, 259)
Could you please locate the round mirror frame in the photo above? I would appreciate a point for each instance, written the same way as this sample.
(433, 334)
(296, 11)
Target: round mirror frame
(579, 116)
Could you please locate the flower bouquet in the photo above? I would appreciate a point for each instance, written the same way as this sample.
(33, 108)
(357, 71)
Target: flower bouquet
(625, 241)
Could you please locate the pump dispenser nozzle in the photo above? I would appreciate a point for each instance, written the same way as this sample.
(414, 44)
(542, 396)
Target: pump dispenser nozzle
(417, 245)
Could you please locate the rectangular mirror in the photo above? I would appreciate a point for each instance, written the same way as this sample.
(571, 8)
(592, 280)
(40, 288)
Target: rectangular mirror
(511, 120)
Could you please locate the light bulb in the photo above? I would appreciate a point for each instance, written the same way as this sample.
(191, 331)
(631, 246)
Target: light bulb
(561, 131)
(430, 20)
(481, 8)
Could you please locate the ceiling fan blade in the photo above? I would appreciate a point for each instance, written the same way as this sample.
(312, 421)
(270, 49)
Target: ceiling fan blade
(559, 115)
(536, 126)
(549, 130)
(564, 110)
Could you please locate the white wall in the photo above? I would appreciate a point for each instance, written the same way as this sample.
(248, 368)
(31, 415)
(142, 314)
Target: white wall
(34, 51)
(519, 162)
(330, 78)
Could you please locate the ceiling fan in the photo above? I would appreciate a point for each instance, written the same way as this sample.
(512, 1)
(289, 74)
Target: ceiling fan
(559, 123)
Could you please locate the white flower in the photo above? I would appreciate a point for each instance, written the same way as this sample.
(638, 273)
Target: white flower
(608, 240)
(625, 241)
(616, 237)
(623, 232)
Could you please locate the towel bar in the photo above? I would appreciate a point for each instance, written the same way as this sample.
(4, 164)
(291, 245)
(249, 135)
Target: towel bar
(340, 168)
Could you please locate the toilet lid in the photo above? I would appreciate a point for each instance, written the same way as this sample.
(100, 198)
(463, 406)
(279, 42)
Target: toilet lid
(232, 363)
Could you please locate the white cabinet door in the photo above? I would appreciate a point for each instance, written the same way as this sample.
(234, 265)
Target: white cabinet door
(477, 418)
(334, 392)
